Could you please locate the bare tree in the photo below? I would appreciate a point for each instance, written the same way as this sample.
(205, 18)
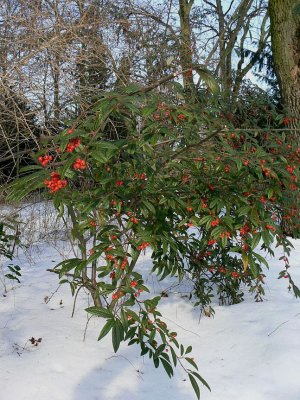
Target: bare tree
(58, 56)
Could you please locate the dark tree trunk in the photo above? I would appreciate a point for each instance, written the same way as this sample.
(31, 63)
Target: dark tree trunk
(186, 46)
(285, 35)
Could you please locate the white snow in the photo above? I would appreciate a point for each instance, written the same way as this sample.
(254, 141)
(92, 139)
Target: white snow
(249, 351)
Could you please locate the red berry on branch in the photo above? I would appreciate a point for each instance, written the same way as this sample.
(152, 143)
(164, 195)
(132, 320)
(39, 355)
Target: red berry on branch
(80, 164)
(215, 222)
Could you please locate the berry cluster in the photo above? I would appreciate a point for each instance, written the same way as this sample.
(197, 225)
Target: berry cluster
(124, 263)
(225, 234)
(244, 230)
(291, 170)
(204, 203)
(211, 242)
(80, 164)
(143, 245)
(117, 295)
(55, 183)
(271, 228)
(141, 176)
(74, 143)
(181, 117)
(215, 222)
(44, 160)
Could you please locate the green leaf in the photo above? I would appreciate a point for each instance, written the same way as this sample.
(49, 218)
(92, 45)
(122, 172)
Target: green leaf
(202, 380)
(270, 193)
(25, 185)
(208, 78)
(159, 350)
(167, 367)
(195, 386)
(239, 164)
(253, 267)
(152, 335)
(192, 362)
(106, 328)
(204, 220)
(296, 290)
(100, 312)
(266, 237)
(215, 233)
(130, 334)
(174, 356)
(149, 206)
(260, 259)
(30, 168)
(255, 240)
(144, 348)
(224, 241)
(117, 335)
(12, 277)
(243, 210)
(99, 157)
(67, 165)
(68, 265)
(181, 350)
(156, 362)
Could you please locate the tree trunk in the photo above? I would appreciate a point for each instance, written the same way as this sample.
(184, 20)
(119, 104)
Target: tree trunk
(186, 46)
(285, 35)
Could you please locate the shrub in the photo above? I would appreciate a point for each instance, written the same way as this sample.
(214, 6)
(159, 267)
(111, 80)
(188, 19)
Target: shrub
(202, 200)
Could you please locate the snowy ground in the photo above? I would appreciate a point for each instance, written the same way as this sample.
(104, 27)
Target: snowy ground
(249, 351)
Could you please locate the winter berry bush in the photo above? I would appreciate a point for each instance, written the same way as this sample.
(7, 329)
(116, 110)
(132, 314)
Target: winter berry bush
(202, 200)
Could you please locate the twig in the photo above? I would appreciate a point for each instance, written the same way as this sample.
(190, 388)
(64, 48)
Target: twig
(125, 358)
(47, 299)
(20, 347)
(180, 326)
(269, 334)
(75, 299)
(86, 326)
(283, 323)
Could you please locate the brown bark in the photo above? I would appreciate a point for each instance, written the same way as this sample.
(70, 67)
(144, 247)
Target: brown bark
(186, 46)
(285, 35)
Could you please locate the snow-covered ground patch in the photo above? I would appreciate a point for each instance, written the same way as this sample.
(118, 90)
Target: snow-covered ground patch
(248, 351)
